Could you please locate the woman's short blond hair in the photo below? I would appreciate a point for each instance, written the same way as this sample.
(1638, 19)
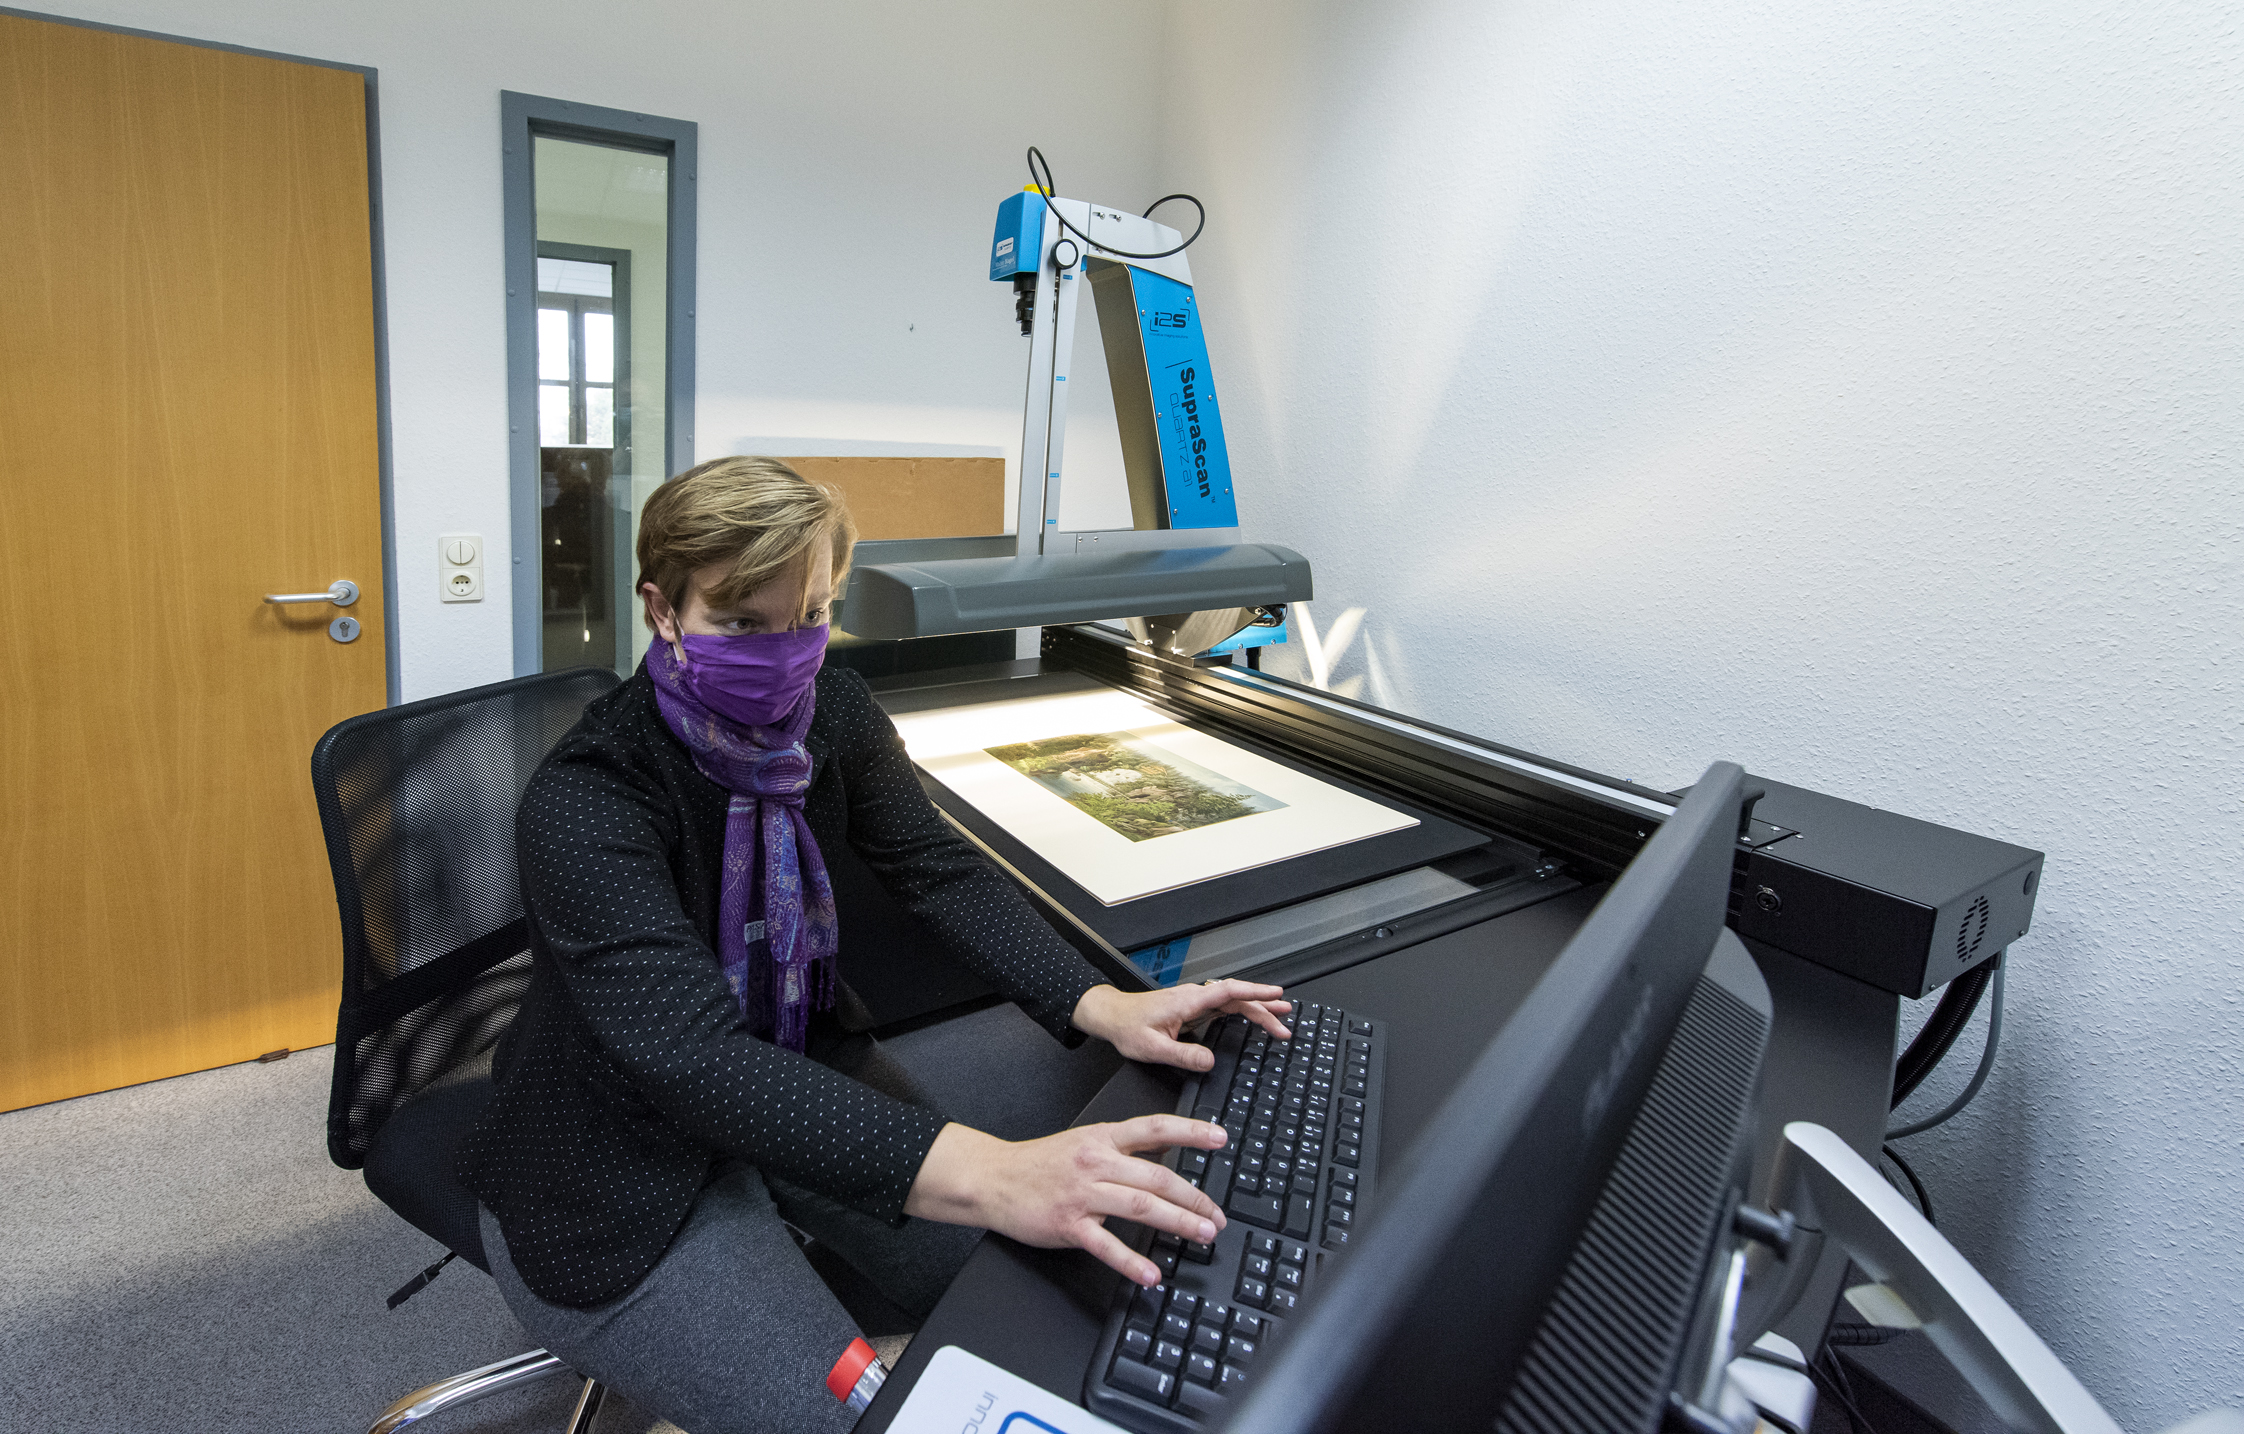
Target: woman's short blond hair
(755, 515)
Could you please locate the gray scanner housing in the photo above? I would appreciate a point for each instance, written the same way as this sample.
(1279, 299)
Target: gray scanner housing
(930, 599)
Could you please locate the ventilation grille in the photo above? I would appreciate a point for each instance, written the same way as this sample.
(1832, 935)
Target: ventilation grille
(1972, 930)
(1604, 1354)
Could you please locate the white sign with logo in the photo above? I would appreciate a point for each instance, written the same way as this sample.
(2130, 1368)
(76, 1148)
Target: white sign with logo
(960, 1393)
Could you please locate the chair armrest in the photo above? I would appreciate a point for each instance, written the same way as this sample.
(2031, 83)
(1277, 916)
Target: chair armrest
(1836, 1194)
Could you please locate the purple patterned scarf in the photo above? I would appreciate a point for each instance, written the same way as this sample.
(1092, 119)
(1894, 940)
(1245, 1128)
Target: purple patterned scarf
(776, 927)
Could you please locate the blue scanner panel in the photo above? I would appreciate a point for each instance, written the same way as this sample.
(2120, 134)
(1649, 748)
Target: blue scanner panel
(1195, 468)
(1019, 245)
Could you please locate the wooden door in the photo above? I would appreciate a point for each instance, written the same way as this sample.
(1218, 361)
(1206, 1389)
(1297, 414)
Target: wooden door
(187, 422)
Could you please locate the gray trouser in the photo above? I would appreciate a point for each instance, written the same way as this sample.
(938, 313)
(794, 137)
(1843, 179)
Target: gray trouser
(733, 1331)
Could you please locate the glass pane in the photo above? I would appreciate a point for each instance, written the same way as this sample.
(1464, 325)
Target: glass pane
(553, 414)
(553, 343)
(599, 348)
(576, 276)
(599, 416)
(603, 219)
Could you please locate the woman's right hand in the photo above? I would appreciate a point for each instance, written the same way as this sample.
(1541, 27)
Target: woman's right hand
(1056, 1191)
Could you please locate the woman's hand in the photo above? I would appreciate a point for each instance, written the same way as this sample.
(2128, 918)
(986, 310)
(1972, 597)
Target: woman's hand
(1056, 1192)
(1145, 1025)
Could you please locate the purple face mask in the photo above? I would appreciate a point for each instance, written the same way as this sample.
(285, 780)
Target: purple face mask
(755, 678)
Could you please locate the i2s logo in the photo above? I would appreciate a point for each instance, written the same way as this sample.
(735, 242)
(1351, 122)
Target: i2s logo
(1028, 1421)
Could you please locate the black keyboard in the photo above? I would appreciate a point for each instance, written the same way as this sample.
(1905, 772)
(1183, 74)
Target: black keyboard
(1303, 1117)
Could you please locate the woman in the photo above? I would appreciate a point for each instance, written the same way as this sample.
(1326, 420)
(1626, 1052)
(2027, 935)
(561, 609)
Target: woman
(677, 1090)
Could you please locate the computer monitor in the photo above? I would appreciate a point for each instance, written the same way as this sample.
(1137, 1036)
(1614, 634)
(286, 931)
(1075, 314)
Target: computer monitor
(1537, 1259)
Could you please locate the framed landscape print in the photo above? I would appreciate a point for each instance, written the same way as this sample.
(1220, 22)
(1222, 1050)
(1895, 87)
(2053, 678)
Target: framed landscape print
(1127, 802)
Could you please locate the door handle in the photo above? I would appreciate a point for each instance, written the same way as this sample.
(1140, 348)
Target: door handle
(343, 593)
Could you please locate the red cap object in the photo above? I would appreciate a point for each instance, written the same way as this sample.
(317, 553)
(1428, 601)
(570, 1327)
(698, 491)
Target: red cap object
(849, 1368)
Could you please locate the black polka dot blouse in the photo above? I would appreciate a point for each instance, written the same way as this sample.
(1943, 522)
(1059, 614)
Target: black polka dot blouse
(628, 1073)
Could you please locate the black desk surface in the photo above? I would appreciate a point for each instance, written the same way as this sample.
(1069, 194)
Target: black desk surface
(1038, 1312)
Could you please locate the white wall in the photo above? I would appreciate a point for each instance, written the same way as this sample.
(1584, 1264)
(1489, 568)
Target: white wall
(852, 158)
(1849, 389)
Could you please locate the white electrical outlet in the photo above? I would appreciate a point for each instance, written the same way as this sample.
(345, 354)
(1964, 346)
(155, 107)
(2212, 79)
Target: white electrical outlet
(459, 567)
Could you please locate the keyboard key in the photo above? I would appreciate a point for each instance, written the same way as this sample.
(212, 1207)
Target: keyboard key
(1218, 1183)
(1246, 1183)
(1339, 1215)
(1201, 1367)
(1298, 1215)
(1210, 1406)
(1345, 1155)
(1247, 1326)
(1262, 1245)
(1165, 1261)
(1341, 1195)
(1354, 1086)
(1305, 1183)
(1195, 1162)
(1185, 1303)
(1145, 1306)
(1258, 1266)
(1176, 1328)
(1215, 1315)
(1344, 1179)
(1289, 1277)
(1238, 1351)
(1136, 1343)
(1207, 1339)
(1264, 1210)
(1294, 1255)
(1283, 1301)
(1146, 1383)
(1167, 1354)
(1253, 1292)
(1336, 1237)
(1359, 1028)
(1200, 1254)
(1231, 1379)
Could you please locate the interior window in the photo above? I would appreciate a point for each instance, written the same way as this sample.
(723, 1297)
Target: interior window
(602, 240)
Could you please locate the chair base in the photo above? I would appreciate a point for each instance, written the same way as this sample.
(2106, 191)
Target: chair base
(482, 1383)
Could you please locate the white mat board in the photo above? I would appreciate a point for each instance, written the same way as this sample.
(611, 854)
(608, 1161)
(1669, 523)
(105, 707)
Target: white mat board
(1142, 804)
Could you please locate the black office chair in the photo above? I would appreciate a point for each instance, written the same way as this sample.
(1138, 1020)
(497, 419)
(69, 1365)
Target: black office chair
(417, 803)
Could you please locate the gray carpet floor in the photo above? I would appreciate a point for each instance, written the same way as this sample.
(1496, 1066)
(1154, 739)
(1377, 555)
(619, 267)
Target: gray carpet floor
(181, 1255)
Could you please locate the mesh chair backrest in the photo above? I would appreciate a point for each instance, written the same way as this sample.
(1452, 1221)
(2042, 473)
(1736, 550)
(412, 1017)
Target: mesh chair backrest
(417, 803)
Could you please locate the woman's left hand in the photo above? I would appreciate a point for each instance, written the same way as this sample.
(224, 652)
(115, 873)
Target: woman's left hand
(1145, 1025)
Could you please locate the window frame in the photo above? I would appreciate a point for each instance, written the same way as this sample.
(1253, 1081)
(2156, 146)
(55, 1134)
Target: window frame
(578, 305)
(524, 119)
